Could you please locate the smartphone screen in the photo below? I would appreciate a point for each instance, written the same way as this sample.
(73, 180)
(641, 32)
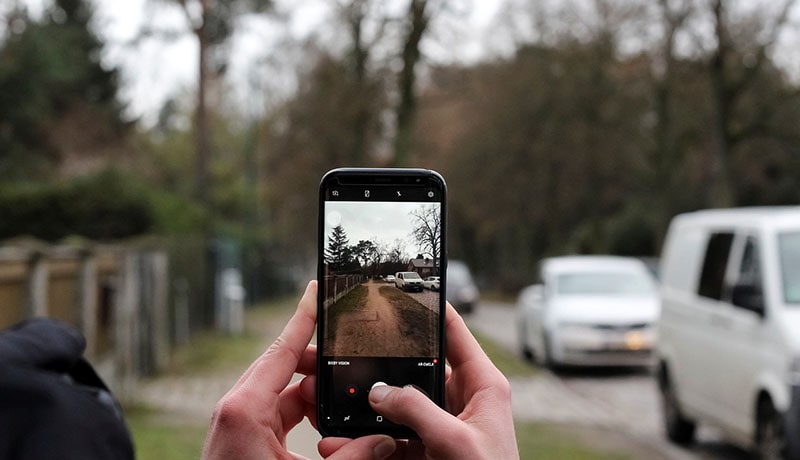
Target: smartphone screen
(381, 307)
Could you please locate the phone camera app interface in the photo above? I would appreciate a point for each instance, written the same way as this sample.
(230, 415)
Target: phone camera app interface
(381, 305)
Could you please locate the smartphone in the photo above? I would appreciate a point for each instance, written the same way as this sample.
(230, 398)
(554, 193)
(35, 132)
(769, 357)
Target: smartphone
(381, 304)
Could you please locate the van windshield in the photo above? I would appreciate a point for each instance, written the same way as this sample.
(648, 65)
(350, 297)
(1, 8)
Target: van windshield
(789, 247)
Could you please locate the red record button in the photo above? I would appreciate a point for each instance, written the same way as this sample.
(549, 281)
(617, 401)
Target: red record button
(352, 390)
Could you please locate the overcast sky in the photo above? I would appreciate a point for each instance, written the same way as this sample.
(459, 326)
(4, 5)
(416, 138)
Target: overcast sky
(381, 222)
(154, 70)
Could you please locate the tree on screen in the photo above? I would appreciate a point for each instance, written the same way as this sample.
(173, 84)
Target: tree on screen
(427, 232)
(338, 253)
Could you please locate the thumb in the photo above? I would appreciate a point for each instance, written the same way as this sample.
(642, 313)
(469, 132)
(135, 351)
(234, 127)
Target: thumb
(410, 407)
(376, 447)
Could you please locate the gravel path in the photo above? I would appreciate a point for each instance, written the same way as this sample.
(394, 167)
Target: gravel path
(375, 331)
(428, 298)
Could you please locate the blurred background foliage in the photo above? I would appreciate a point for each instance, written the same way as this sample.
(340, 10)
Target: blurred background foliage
(603, 120)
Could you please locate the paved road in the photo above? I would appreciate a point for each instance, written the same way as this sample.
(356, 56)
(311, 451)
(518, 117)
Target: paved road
(620, 400)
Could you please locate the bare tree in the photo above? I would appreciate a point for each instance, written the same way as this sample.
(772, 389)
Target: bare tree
(427, 232)
(673, 15)
(733, 69)
(417, 23)
(212, 23)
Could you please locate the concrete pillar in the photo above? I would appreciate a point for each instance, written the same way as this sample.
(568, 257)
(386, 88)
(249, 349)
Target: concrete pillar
(37, 285)
(126, 326)
(159, 268)
(87, 301)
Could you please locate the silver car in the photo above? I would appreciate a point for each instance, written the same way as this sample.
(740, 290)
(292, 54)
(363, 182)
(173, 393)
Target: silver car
(590, 311)
(461, 290)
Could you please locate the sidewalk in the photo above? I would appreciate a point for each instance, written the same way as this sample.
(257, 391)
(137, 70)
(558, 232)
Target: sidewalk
(191, 399)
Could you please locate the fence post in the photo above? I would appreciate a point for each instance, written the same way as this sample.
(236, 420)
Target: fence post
(87, 298)
(182, 326)
(126, 327)
(159, 271)
(37, 284)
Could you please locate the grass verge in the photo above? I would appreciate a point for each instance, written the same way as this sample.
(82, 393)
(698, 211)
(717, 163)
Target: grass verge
(210, 352)
(156, 438)
(545, 441)
(417, 321)
(159, 435)
(354, 300)
(508, 363)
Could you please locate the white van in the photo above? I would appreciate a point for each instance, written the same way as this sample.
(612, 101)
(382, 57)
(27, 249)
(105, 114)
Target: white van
(729, 334)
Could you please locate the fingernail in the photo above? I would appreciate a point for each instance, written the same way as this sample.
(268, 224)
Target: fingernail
(384, 449)
(379, 393)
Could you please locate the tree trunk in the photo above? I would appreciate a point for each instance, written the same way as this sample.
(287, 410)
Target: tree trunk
(720, 193)
(201, 126)
(406, 108)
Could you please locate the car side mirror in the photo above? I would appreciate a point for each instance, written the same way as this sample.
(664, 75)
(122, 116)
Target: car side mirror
(748, 296)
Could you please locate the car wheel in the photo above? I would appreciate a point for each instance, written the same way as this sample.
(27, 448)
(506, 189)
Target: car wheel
(770, 435)
(547, 353)
(524, 347)
(680, 430)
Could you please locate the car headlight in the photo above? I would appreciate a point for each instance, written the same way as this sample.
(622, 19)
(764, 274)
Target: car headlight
(794, 371)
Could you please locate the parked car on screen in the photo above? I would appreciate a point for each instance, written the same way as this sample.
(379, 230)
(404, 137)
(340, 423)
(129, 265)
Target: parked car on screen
(389, 278)
(589, 311)
(408, 281)
(729, 335)
(461, 290)
(431, 282)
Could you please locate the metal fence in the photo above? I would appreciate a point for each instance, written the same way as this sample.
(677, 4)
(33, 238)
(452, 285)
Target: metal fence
(338, 286)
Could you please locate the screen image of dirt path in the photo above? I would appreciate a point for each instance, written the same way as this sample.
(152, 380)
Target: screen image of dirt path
(376, 302)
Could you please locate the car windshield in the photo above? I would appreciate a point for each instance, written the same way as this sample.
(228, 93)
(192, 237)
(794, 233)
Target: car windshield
(610, 283)
(789, 247)
(411, 276)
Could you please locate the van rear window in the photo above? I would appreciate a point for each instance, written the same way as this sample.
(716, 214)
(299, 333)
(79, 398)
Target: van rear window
(789, 248)
(714, 264)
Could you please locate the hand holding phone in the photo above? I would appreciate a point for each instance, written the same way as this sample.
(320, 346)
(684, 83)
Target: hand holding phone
(382, 277)
(479, 424)
(254, 417)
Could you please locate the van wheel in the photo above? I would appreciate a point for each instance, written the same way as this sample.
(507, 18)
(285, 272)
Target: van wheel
(680, 430)
(770, 435)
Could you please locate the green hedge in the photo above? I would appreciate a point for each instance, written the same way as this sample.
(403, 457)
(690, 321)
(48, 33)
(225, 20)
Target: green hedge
(105, 206)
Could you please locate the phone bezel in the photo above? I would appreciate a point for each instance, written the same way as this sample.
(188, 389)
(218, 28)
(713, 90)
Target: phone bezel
(355, 177)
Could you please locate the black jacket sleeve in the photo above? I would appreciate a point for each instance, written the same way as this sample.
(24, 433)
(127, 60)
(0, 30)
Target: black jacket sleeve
(52, 403)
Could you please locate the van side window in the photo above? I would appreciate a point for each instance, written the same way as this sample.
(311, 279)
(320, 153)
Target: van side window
(749, 275)
(750, 269)
(714, 264)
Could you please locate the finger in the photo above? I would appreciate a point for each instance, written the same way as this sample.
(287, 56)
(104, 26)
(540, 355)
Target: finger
(365, 448)
(308, 390)
(327, 446)
(408, 406)
(273, 370)
(293, 407)
(308, 361)
(461, 344)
